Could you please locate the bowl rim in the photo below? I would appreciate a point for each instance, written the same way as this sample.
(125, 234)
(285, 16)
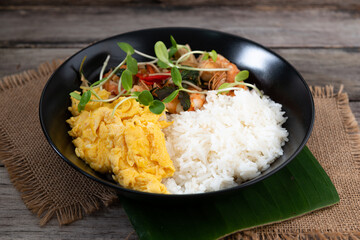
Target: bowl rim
(192, 195)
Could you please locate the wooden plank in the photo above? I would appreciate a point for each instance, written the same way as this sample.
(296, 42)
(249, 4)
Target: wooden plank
(317, 66)
(270, 26)
(17, 222)
(18, 60)
(181, 3)
(327, 67)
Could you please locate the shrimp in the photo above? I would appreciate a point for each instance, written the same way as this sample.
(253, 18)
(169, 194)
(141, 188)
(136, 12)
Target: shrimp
(224, 63)
(139, 88)
(190, 60)
(197, 100)
(174, 106)
(218, 78)
(111, 85)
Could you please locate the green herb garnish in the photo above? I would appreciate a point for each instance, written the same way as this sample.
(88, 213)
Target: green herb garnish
(157, 107)
(184, 99)
(145, 98)
(85, 98)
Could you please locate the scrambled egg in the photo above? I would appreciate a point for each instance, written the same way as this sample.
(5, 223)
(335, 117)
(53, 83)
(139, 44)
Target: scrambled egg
(130, 144)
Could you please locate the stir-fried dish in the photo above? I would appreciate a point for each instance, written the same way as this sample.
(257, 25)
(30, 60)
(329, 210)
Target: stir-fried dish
(118, 120)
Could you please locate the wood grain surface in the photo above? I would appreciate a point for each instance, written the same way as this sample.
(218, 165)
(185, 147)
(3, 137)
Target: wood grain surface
(321, 40)
(272, 27)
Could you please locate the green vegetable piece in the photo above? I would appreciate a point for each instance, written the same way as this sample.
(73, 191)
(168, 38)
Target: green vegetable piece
(162, 93)
(241, 76)
(173, 42)
(145, 98)
(85, 98)
(224, 85)
(173, 48)
(213, 55)
(136, 94)
(184, 99)
(205, 56)
(162, 64)
(132, 64)
(172, 51)
(161, 52)
(126, 48)
(191, 76)
(75, 95)
(127, 79)
(157, 107)
(119, 72)
(176, 76)
(171, 97)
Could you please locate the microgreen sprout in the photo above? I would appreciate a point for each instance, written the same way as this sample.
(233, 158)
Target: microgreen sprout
(212, 54)
(85, 98)
(75, 95)
(174, 48)
(104, 67)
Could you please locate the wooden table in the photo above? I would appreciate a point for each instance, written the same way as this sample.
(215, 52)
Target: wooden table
(321, 40)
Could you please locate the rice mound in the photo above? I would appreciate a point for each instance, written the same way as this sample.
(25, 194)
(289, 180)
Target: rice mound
(230, 140)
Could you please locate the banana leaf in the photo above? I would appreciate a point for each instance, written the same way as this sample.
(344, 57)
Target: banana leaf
(300, 187)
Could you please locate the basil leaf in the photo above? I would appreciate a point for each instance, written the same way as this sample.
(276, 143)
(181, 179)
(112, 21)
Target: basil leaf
(126, 48)
(75, 95)
(157, 107)
(171, 97)
(161, 52)
(126, 80)
(132, 64)
(241, 76)
(145, 98)
(191, 76)
(176, 76)
(184, 99)
(162, 93)
(162, 64)
(213, 55)
(85, 98)
(173, 42)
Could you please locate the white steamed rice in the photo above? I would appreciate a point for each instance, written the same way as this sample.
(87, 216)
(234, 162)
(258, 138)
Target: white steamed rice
(228, 141)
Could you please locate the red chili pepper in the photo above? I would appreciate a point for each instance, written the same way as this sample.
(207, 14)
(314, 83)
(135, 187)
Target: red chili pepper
(150, 80)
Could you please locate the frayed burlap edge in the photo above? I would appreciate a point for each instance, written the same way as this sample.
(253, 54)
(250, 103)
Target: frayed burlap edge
(250, 235)
(17, 80)
(24, 180)
(350, 124)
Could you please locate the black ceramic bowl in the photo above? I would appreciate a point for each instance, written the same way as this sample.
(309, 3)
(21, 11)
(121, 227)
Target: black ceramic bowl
(270, 72)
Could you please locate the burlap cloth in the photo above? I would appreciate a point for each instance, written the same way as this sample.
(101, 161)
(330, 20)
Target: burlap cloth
(50, 187)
